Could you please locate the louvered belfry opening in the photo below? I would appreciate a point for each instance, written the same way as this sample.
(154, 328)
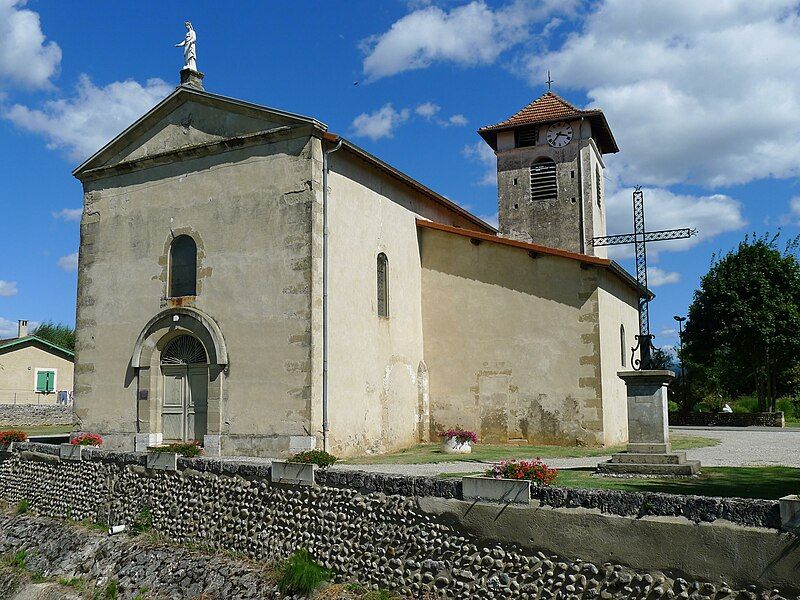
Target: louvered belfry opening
(544, 185)
(526, 136)
(184, 350)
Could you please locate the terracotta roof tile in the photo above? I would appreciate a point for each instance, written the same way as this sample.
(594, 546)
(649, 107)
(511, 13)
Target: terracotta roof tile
(547, 107)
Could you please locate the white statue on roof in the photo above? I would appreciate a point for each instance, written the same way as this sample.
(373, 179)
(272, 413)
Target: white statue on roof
(189, 49)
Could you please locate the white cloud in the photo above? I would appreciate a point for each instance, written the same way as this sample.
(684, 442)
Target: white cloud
(482, 154)
(711, 215)
(427, 109)
(793, 216)
(69, 262)
(8, 329)
(458, 120)
(698, 92)
(84, 123)
(8, 288)
(657, 277)
(68, 214)
(470, 34)
(25, 57)
(379, 124)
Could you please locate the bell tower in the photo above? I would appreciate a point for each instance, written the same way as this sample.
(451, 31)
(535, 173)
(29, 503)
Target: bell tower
(550, 168)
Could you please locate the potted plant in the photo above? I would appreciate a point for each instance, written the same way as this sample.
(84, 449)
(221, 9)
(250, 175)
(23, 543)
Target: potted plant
(458, 441)
(74, 450)
(299, 469)
(509, 481)
(165, 457)
(9, 437)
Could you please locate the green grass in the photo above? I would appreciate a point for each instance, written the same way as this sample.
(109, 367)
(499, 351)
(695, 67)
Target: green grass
(301, 575)
(769, 483)
(432, 453)
(47, 430)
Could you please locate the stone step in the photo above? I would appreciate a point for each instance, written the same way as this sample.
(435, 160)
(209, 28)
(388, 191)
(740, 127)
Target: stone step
(690, 467)
(674, 458)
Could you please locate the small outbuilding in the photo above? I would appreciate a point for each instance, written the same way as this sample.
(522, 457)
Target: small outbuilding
(34, 370)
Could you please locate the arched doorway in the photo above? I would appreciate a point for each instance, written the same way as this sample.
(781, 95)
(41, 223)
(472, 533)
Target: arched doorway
(184, 409)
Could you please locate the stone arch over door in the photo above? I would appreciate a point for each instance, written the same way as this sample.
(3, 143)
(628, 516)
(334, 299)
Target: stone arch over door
(146, 364)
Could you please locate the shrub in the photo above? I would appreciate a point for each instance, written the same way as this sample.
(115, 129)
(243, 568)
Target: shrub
(142, 522)
(462, 435)
(301, 575)
(745, 404)
(318, 457)
(23, 506)
(533, 470)
(188, 449)
(87, 439)
(789, 406)
(12, 435)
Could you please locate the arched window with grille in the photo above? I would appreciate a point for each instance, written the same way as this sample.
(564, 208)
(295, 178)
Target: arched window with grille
(544, 185)
(183, 267)
(622, 348)
(383, 285)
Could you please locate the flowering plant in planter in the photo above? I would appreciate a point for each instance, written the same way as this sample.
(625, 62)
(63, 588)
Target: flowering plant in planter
(12, 435)
(187, 449)
(534, 470)
(462, 436)
(87, 439)
(318, 457)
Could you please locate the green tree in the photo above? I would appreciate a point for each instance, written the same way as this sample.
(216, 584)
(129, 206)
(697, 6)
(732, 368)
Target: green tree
(58, 334)
(743, 332)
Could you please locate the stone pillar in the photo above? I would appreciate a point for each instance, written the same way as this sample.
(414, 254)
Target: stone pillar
(648, 422)
(192, 78)
(649, 451)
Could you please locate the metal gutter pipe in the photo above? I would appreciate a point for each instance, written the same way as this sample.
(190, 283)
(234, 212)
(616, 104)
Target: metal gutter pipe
(325, 167)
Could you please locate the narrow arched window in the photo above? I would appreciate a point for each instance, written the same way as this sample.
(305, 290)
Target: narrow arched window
(383, 285)
(544, 185)
(183, 267)
(622, 345)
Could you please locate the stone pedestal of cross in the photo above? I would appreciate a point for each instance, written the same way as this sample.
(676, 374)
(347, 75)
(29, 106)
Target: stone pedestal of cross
(639, 239)
(649, 449)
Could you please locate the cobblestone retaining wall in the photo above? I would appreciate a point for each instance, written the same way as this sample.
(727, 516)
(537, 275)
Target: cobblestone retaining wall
(707, 419)
(347, 523)
(34, 415)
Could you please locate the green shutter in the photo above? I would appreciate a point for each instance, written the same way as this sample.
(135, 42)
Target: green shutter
(44, 381)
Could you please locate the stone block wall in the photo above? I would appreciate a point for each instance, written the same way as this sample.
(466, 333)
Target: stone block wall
(367, 528)
(707, 419)
(34, 415)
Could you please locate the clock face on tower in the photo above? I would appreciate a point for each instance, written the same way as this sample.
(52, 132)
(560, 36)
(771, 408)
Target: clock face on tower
(559, 134)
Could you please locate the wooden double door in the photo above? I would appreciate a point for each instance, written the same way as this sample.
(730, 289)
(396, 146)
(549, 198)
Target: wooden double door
(184, 413)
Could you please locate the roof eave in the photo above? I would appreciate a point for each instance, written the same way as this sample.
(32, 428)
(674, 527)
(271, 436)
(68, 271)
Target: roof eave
(33, 338)
(190, 91)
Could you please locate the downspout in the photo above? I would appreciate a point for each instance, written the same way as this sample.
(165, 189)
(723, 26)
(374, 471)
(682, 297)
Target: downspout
(581, 216)
(325, 166)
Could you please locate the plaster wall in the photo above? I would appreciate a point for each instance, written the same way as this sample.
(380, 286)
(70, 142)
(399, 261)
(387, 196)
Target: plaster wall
(374, 362)
(18, 369)
(512, 342)
(249, 211)
(618, 305)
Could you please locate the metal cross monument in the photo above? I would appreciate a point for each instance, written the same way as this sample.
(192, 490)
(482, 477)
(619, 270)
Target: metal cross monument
(639, 239)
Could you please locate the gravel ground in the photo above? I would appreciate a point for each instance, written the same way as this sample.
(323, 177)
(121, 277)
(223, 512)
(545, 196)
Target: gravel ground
(739, 447)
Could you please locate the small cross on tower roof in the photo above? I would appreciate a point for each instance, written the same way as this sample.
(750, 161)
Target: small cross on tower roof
(549, 81)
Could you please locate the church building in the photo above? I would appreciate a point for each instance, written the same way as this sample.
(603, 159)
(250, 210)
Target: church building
(253, 281)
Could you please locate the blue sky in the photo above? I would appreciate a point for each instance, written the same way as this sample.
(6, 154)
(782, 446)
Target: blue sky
(703, 99)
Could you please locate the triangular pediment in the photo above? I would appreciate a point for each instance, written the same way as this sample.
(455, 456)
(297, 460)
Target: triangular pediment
(188, 118)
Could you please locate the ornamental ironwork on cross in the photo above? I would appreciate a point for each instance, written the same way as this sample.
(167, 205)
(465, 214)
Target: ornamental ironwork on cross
(639, 238)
